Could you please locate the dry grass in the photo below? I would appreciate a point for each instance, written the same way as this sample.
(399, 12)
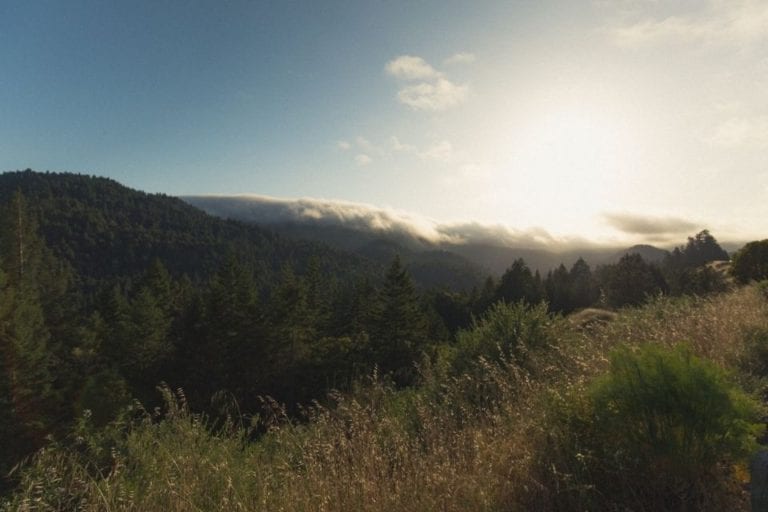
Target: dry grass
(458, 443)
(713, 326)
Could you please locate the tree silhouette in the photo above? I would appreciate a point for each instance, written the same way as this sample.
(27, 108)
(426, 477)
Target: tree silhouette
(400, 325)
(751, 262)
(631, 281)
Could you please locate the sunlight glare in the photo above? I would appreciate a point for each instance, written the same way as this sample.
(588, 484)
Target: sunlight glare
(565, 167)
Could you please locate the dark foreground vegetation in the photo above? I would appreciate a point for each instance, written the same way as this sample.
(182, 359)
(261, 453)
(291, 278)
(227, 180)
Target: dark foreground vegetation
(300, 378)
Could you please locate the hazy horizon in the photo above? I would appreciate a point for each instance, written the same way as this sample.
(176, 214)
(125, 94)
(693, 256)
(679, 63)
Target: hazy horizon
(602, 122)
(267, 210)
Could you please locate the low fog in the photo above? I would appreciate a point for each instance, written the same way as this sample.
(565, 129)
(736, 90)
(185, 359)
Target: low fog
(385, 221)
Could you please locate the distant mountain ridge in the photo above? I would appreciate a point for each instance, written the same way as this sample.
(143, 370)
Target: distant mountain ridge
(104, 228)
(648, 252)
(378, 234)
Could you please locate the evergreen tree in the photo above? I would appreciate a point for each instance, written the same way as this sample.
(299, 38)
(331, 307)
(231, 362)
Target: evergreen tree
(684, 271)
(453, 309)
(558, 290)
(751, 262)
(233, 356)
(28, 401)
(320, 289)
(631, 281)
(400, 327)
(519, 284)
(584, 290)
(700, 250)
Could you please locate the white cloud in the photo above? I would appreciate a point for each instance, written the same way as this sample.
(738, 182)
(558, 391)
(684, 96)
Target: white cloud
(441, 94)
(270, 210)
(267, 210)
(719, 22)
(344, 145)
(440, 152)
(460, 58)
(431, 90)
(362, 159)
(400, 147)
(409, 67)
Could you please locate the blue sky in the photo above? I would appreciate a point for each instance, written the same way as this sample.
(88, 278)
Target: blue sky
(584, 118)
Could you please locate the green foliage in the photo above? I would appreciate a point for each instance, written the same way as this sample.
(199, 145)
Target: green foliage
(662, 428)
(453, 309)
(568, 291)
(399, 330)
(104, 314)
(685, 267)
(507, 332)
(754, 359)
(631, 281)
(698, 281)
(104, 395)
(672, 405)
(495, 437)
(106, 231)
(519, 284)
(28, 404)
(700, 250)
(750, 263)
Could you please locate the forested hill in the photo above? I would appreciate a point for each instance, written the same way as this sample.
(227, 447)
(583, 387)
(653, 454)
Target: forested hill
(104, 229)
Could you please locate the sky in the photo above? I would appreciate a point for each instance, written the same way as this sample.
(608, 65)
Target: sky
(612, 121)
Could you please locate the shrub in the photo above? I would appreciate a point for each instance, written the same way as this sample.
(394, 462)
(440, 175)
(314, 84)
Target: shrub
(661, 429)
(505, 332)
(671, 405)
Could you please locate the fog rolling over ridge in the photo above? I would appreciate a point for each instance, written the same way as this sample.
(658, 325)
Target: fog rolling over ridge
(381, 232)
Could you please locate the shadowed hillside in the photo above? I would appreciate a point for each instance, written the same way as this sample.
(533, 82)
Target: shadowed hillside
(104, 229)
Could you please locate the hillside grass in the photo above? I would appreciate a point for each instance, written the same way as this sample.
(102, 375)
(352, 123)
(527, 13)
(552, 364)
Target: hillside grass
(492, 436)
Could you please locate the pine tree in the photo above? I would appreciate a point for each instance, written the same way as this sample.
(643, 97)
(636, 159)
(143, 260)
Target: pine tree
(232, 354)
(26, 362)
(584, 290)
(400, 329)
(519, 284)
(558, 290)
(631, 281)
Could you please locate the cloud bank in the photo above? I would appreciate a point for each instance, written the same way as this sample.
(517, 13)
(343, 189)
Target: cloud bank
(650, 227)
(268, 210)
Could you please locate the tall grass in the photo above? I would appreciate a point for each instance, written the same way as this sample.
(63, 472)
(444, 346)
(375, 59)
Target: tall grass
(485, 438)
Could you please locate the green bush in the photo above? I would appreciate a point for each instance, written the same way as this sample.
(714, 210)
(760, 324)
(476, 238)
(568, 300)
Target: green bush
(751, 262)
(506, 331)
(671, 405)
(661, 429)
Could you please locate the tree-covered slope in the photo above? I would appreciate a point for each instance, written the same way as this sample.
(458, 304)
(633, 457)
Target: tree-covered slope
(104, 229)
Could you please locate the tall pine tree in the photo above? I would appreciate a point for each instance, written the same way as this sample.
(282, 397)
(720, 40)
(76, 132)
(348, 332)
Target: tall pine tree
(28, 399)
(400, 329)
